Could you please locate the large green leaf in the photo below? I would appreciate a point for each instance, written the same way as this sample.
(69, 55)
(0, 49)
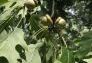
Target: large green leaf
(88, 60)
(66, 56)
(7, 48)
(15, 49)
(85, 45)
(9, 7)
(10, 13)
(33, 54)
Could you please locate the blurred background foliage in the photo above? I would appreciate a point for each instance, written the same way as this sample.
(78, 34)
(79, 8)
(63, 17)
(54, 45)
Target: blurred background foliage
(31, 33)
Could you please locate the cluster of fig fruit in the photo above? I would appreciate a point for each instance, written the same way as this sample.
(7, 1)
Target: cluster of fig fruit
(30, 4)
(46, 20)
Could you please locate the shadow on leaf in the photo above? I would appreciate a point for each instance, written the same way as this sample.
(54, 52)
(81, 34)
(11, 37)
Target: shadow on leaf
(3, 60)
(21, 51)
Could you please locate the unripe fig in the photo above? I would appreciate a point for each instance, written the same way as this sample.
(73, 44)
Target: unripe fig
(30, 4)
(49, 18)
(60, 21)
(46, 20)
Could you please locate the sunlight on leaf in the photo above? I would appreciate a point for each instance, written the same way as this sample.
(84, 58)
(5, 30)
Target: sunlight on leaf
(88, 60)
(3, 36)
(8, 45)
(17, 49)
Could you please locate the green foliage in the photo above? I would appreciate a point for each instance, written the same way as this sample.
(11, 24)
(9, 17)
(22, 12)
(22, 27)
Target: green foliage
(3, 1)
(24, 39)
(67, 56)
(85, 45)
